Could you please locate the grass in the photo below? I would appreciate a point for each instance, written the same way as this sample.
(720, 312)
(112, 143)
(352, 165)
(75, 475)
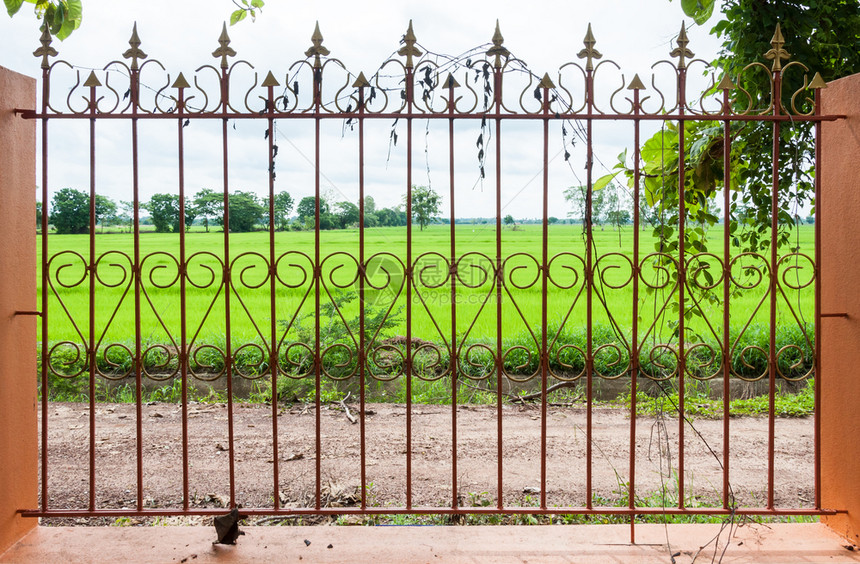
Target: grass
(475, 297)
(699, 404)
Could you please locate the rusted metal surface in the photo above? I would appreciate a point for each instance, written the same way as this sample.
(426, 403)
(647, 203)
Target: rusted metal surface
(461, 270)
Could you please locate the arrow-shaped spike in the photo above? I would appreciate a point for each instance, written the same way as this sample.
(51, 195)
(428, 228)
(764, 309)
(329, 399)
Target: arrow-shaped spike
(92, 80)
(270, 80)
(180, 82)
(451, 82)
(817, 82)
(636, 83)
(546, 81)
(726, 83)
(360, 81)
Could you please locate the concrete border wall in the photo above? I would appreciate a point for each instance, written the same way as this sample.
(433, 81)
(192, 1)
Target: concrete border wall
(19, 449)
(839, 216)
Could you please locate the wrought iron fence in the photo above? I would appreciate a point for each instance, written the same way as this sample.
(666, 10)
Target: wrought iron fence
(326, 314)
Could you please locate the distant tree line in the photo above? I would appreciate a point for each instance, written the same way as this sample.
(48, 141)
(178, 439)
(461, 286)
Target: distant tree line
(70, 212)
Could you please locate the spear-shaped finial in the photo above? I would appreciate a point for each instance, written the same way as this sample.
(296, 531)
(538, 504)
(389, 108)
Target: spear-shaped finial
(45, 50)
(134, 52)
(224, 50)
(777, 53)
(409, 50)
(681, 51)
(317, 49)
(589, 53)
(498, 50)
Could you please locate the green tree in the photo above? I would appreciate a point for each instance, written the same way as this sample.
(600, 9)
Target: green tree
(823, 35)
(283, 206)
(106, 211)
(208, 205)
(308, 205)
(70, 211)
(164, 212)
(391, 217)
(425, 205)
(246, 211)
(38, 215)
(347, 214)
(509, 220)
(126, 214)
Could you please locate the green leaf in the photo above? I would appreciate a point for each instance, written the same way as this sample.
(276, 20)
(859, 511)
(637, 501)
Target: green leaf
(699, 10)
(603, 181)
(71, 20)
(237, 16)
(12, 6)
(74, 10)
(257, 3)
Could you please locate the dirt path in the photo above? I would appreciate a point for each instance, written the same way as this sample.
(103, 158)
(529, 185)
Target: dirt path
(208, 456)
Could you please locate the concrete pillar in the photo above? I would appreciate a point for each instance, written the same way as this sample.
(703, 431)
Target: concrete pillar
(19, 468)
(839, 216)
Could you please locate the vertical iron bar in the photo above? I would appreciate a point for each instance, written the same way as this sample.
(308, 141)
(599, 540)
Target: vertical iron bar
(45, 284)
(727, 280)
(817, 360)
(682, 278)
(544, 353)
(273, 288)
(317, 277)
(91, 351)
(138, 358)
(634, 348)
(774, 226)
(500, 280)
(228, 284)
(183, 301)
(409, 281)
(362, 354)
(589, 286)
(453, 274)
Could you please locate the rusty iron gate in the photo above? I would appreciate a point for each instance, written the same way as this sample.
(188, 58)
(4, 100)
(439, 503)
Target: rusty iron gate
(422, 93)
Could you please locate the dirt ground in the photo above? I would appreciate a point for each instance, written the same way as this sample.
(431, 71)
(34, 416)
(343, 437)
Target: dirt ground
(656, 456)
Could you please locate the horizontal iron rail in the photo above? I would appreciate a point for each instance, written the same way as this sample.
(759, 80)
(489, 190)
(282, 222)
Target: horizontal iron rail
(29, 114)
(301, 511)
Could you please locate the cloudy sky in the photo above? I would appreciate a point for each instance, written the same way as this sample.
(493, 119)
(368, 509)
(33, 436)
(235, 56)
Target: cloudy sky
(182, 35)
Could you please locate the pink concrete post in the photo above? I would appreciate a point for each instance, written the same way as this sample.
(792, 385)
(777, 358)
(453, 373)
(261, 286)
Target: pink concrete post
(19, 469)
(839, 214)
